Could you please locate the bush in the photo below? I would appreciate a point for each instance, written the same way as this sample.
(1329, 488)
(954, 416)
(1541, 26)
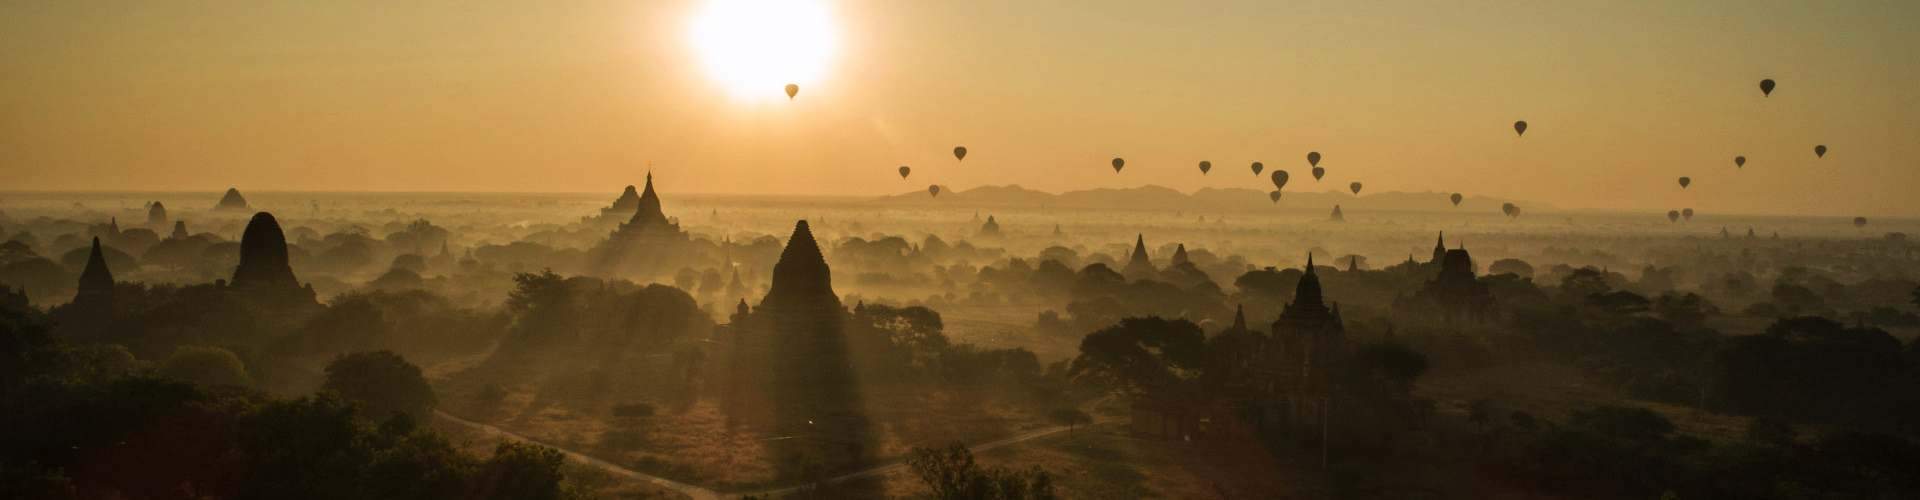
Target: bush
(205, 366)
(952, 475)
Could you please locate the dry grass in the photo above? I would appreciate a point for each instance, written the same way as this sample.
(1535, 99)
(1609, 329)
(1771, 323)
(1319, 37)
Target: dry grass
(695, 444)
(592, 480)
(1554, 392)
(1103, 462)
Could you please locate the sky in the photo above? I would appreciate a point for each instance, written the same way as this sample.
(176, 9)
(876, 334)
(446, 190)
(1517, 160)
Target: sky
(1622, 97)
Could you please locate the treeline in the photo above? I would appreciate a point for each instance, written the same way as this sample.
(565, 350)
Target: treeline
(75, 423)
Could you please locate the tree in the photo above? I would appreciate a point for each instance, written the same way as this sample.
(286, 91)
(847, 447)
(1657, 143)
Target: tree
(382, 383)
(951, 474)
(1142, 354)
(1069, 417)
(522, 471)
(1514, 267)
(1584, 282)
(205, 366)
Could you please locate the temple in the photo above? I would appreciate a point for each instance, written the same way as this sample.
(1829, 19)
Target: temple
(647, 245)
(1138, 265)
(232, 201)
(264, 271)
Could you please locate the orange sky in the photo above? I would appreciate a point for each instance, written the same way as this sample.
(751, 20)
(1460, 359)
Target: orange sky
(1623, 97)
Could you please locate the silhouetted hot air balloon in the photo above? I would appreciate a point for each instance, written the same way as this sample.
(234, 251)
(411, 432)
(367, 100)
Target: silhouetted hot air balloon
(1820, 151)
(1509, 209)
(1859, 222)
(1739, 161)
(1355, 187)
(1516, 211)
(1456, 199)
(1673, 216)
(960, 153)
(1257, 167)
(1318, 173)
(1279, 179)
(1313, 159)
(1118, 163)
(1766, 87)
(933, 190)
(1686, 213)
(1275, 196)
(1205, 166)
(1520, 127)
(792, 90)
(904, 170)
(1685, 181)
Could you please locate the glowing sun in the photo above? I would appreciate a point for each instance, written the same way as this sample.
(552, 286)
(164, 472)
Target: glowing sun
(754, 48)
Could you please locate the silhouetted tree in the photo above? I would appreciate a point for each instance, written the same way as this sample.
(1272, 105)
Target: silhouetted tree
(382, 383)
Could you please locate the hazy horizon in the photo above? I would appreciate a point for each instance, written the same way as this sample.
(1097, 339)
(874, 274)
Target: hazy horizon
(1404, 96)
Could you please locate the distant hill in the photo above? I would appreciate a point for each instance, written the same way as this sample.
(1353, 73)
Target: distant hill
(1154, 197)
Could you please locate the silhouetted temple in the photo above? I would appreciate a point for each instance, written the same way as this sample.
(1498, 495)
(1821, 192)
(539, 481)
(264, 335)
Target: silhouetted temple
(264, 270)
(1439, 249)
(1138, 265)
(179, 230)
(232, 201)
(1454, 295)
(647, 245)
(96, 281)
(1308, 343)
(156, 215)
(625, 205)
(991, 228)
(1338, 216)
(1276, 383)
(792, 366)
(1179, 255)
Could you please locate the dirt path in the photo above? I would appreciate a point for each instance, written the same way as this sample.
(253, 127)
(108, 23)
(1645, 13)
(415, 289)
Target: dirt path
(691, 491)
(700, 493)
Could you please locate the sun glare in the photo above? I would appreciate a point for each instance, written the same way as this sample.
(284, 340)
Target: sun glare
(754, 48)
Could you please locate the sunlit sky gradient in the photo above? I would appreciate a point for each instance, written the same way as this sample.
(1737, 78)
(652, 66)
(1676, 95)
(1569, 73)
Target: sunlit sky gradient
(1623, 97)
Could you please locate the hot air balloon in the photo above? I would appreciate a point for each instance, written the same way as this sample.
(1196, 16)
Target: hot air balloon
(1673, 216)
(1509, 209)
(1456, 199)
(960, 153)
(933, 190)
(1205, 166)
(1686, 213)
(1355, 187)
(1739, 161)
(904, 170)
(792, 90)
(1118, 163)
(1313, 159)
(1279, 179)
(1820, 151)
(1685, 181)
(1257, 167)
(1318, 173)
(1275, 196)
(1766, 87)
(1520, 127)
(1859, 222)
(1516, 211)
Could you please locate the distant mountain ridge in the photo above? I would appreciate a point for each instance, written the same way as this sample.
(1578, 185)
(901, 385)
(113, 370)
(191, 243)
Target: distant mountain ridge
(1156, 197)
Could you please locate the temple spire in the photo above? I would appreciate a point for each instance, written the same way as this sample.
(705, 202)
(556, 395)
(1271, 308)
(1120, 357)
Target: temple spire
(96, 280)
(1139, 266)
